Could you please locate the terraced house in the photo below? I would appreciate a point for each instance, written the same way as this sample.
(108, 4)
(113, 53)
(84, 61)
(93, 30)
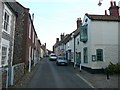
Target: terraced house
(94, 44)
(99, 37)
(7, 41)
(20, 47)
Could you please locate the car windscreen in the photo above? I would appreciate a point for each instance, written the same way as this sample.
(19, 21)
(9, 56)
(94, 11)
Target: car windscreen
(61, 58)
(53, 55)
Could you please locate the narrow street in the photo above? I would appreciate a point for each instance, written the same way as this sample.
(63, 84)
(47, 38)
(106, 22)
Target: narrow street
(49, 75)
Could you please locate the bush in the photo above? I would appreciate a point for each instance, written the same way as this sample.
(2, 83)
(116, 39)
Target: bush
(113, 68)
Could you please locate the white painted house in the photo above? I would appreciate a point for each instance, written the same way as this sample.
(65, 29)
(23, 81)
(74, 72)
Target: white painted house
(119, 8)
(99, 37)
(99, 34)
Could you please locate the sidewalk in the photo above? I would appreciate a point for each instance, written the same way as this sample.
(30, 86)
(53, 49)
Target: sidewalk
(26, 78)
(99, 80)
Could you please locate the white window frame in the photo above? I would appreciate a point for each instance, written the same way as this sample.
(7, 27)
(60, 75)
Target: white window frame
(5, 55)
(30, 30)
(33, 37)
(9, 13)
(5, 43)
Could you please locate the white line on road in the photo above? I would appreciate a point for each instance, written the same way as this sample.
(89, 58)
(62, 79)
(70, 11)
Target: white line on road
(85, 80)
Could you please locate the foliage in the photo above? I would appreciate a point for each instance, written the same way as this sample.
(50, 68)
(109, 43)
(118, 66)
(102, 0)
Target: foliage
(113, 68)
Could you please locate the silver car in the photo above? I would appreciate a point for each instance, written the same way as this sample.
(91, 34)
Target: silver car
(61, 61)
(52, 57)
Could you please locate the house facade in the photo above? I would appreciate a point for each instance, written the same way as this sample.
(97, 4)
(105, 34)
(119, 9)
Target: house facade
(25, 41)
(94, 44)
(100, 40)
(7, 41)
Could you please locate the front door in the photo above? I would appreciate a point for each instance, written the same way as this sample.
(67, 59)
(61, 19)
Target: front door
(78, 58)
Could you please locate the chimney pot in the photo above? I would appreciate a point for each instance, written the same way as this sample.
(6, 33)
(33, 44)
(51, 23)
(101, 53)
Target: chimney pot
(106, 12)
(33, 17)
(79, 22)
(57, 40)
(111, 3)
(114, 3)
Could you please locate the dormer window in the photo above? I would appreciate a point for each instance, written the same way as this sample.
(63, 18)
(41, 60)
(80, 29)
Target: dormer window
(86, 20)
(83, 33)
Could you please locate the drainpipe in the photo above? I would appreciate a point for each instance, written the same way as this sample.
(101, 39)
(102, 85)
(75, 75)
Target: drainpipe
(74, 53)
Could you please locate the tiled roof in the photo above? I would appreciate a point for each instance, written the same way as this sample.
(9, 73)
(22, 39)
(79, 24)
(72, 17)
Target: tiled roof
(103, 17)
(77, 31)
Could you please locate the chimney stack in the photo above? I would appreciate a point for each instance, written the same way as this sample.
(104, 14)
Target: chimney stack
(106, 12)
(114, 10)
(57, 40)
(111, 3)
(62, 36)
(79, 22)
(33, 17)
(114, 3)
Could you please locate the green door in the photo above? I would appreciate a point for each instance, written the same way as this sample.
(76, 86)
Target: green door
(78, 58)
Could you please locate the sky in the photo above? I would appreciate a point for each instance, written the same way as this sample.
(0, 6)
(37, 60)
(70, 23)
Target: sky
(53, 17)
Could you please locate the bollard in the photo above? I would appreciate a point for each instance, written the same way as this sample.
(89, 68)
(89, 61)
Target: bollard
(108, 76)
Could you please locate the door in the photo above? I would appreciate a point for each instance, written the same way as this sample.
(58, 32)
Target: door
(78, 58)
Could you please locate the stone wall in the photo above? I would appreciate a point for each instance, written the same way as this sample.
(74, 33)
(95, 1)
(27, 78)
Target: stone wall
(4, 77)
(18, 72)
(0, 78)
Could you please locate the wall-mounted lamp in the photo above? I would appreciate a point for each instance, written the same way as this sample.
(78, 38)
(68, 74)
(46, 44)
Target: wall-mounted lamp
(100, 3)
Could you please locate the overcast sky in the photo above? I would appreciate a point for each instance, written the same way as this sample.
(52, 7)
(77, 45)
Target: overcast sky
(53, 17)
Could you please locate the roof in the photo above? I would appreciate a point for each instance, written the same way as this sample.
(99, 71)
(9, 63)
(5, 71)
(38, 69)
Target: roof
(77, 31)
(103, 17)
(10, 8)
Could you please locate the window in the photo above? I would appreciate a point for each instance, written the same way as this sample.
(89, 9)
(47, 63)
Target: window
(86, 20)
(30, 30)
(33, 37)
(78, 41)
(83, 34)
(99, 54)
(4, 55)
(85, 55)
(6, 21)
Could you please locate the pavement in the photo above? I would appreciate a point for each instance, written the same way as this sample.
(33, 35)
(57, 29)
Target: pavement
(99, 80)
(94, 80)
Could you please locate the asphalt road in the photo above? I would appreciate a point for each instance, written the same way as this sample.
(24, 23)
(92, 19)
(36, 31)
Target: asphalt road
(48, 75)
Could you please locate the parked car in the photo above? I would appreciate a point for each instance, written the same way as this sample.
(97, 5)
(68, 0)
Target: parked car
(53, 57)
(61, 61)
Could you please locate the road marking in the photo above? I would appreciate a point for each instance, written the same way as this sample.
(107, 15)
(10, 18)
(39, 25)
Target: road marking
(85, 80)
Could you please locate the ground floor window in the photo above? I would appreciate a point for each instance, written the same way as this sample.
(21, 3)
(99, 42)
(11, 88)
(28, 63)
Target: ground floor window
(99, 54)
(85, 55)
(4, 55)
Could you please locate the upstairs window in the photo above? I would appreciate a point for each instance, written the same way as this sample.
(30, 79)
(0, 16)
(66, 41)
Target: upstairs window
(77, 41)
(30, 30)
(99, 54)
(83, 33)
(6, 21)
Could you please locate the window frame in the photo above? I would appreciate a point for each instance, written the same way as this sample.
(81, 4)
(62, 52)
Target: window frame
(99, 51)
(6, 56)
(85, 55)
(84, 33)
(9, 13)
